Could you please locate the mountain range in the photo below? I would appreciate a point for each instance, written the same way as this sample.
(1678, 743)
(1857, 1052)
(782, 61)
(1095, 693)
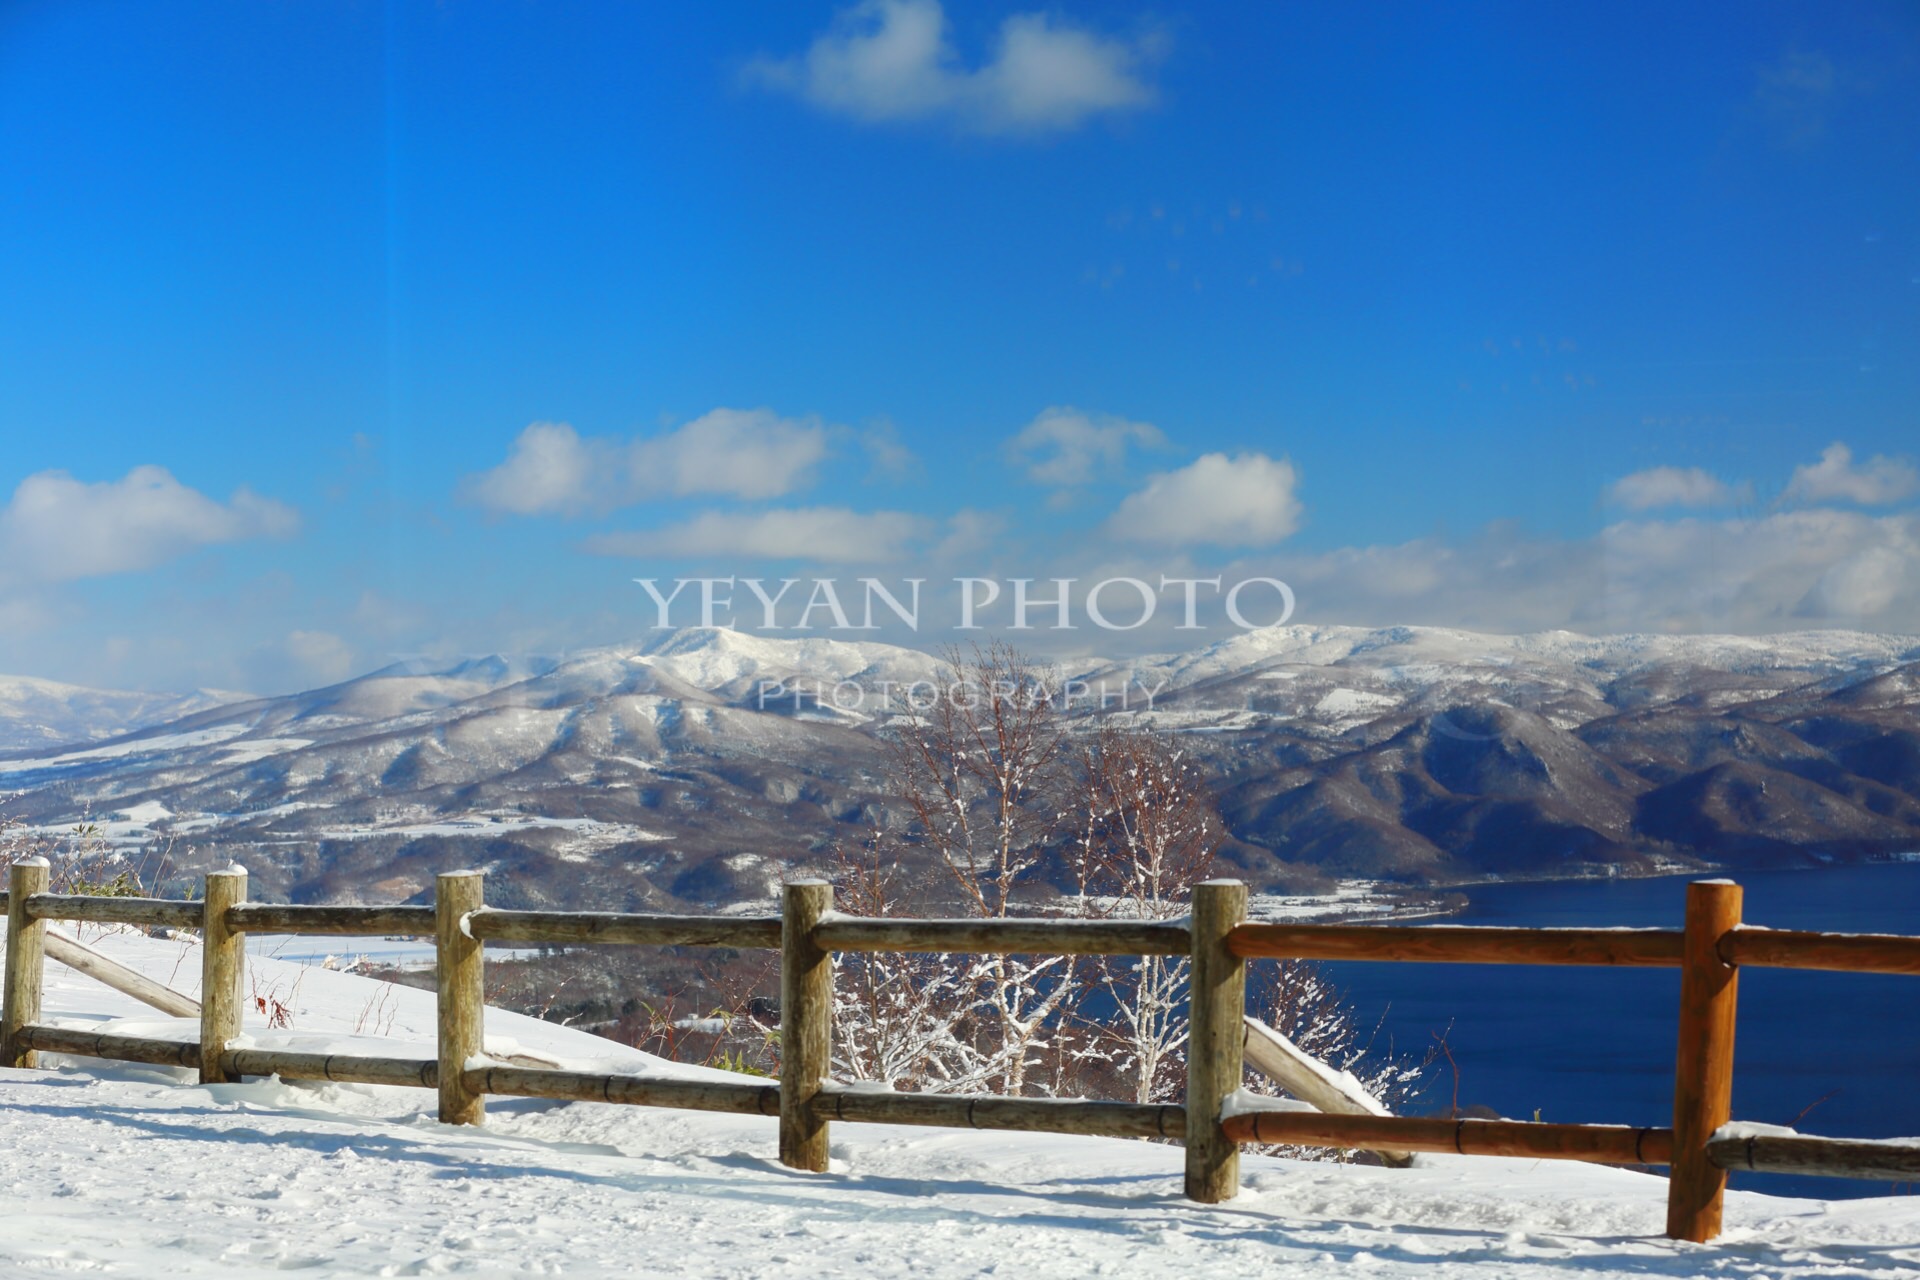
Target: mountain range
(695, 768)
(36, 714)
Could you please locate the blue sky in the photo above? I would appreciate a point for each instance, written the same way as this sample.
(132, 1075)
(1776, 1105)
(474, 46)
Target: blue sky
(340, 333)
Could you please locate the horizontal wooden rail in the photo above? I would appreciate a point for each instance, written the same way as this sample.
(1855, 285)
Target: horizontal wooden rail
(1599, 1143)
(494, 925)
(270, 917)
(106, 1044)
(171, 913)
(1819, 1157)
(345, 1068)
(341, 1067)
(1006, 936)
(985, 1111)
(1800, 949)
(1456, 944)
(744, 1098)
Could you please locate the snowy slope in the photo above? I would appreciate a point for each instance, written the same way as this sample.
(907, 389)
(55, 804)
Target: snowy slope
(132, 1171)
(42, 713)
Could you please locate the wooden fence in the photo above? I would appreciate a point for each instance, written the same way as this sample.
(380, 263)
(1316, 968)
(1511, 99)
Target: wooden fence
(1212, 1125)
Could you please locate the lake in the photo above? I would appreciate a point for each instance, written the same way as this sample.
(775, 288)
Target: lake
(1834, 1054)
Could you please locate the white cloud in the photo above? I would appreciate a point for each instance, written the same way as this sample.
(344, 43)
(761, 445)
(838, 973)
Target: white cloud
(890, 459)
(321, 656)
(1066, 446)
(970, 536)
(1877, 482)
(551, 470)
(1048, 75)
(737, 453)
(1860, 586)
(887, 60)
(56, 528)
(1246, 500)
(1672, 487)
(1683, 575)
(823, 535)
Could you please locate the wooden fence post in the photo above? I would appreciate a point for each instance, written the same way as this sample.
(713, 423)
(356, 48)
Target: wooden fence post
(26, 960)
(460, 981)
(1217, 1003)
(806, 1024)
(1703, 1067)
(223, 966)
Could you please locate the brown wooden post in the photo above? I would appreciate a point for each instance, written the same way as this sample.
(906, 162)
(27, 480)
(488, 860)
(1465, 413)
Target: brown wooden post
(1703, 1068)
(806, 1024)
(223, 967)
(26, 960)
(1218, 1002)
(460, 981)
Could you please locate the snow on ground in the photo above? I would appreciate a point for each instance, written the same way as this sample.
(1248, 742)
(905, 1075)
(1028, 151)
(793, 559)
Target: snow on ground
(1351, 900)
(129, 1170)
(355, 951)
(497, 822)
(1347, 703)
(129, 747)
(256, 749)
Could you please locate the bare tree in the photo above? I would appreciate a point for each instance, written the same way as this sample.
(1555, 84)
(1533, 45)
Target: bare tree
(982, 769)
(1150, 829)
(995, 786)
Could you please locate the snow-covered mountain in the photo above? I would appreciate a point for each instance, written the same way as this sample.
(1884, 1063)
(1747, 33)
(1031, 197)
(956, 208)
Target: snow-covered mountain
(694, 768)
(43, 713)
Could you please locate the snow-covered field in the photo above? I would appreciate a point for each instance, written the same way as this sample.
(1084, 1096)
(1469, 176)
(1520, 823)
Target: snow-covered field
(136, 1171)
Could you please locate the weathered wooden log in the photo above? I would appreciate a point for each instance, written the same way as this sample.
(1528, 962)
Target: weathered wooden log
(1798, 949)
(806, 1023)
(84, 959)
(106, 1044)
(345, 1068)
(167, 913)
(343, 919)
(495, 925)
(1282, 1061)
(1007, 937)
(1890, 1161)
(460, 981)
(1216, 1005)
(1456, 944)
(744, 1098)
(26, 961)
(223, 968)
(1026, 1115)
(1597, 1143)
(1703, 1065)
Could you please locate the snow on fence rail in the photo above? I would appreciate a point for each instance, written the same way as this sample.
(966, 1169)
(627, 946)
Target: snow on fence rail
(1700, 1146)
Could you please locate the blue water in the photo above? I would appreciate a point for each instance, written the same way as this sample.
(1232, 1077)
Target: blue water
(1835, 1054)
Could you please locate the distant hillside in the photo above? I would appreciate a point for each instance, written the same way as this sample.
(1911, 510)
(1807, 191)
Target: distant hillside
(687, 771)
(35, 714)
